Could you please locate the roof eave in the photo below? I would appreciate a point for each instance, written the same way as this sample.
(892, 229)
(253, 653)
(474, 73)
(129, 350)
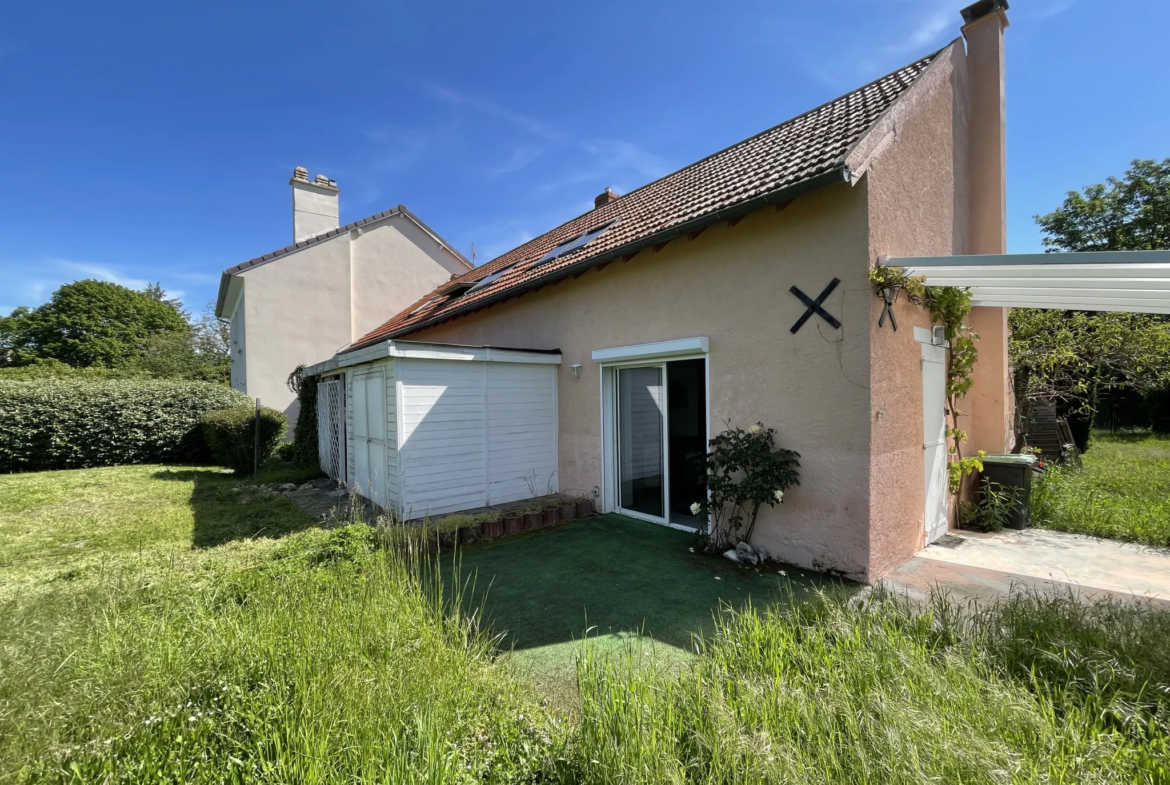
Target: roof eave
(835, 176)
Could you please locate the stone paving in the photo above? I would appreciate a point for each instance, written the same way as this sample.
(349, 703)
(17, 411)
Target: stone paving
(973, 565)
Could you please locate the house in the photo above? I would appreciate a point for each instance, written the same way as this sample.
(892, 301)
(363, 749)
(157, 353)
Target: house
(597, 356)
(332, 285)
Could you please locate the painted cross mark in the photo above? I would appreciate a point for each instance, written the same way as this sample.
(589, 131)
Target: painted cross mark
(814, 306)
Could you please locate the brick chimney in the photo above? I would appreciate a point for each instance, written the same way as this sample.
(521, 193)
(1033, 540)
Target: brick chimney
(605, 197)
(315, 208)
(991, 403)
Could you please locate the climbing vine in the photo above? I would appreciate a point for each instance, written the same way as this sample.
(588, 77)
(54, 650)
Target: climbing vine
(949, 306)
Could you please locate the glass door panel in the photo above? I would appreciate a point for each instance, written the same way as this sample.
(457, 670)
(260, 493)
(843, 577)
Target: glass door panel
(641, 429)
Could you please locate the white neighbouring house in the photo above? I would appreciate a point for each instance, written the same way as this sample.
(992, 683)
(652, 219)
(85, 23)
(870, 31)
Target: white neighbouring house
(331, 286)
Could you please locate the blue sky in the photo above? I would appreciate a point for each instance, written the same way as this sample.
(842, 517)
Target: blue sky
(154, 141)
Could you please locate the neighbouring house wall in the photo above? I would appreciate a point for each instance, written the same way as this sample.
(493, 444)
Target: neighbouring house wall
(303, 307)
(394, 264)
(918, 207)
(296, 311)
(731, 284)
(239, 348)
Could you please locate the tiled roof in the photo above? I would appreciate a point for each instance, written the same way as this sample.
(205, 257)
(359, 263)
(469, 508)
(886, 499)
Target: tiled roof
(803, 153)
(320, 238)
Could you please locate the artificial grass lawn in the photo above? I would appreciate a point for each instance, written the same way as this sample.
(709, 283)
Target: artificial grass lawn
(624, 581)
(1121, 493)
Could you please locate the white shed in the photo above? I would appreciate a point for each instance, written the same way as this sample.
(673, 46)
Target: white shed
(430, 429)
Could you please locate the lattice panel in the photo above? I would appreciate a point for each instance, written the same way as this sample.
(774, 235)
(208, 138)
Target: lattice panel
(331, 428)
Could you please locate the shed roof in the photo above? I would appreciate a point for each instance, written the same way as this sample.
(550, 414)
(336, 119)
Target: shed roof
(795, 157)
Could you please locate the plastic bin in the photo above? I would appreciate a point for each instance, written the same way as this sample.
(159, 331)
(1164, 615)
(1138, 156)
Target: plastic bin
(1014, 471)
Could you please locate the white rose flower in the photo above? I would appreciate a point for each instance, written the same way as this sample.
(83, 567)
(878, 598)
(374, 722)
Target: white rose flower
(779, 495)
(695, 508)
(754, 429)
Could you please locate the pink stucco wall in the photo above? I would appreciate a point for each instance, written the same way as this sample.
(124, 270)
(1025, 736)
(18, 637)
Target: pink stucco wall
(731, 284)
(918, 207)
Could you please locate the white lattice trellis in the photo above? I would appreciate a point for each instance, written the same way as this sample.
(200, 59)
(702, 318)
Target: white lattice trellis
(331, 428)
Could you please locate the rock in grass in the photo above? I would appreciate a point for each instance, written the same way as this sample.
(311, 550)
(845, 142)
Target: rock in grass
(746, 553)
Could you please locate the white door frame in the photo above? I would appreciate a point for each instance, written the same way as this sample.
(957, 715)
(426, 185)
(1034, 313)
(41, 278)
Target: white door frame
(646, 355)
(935, 502)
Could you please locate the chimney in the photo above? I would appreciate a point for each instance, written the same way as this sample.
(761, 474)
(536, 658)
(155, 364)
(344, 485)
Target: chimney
(314, 204)
(990, 419)
(984, 23)
(605, 197)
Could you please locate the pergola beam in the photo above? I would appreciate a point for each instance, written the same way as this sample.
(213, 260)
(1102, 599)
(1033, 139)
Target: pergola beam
(1133, 281)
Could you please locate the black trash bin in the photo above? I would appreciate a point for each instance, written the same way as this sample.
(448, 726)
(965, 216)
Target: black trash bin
(1014, 471)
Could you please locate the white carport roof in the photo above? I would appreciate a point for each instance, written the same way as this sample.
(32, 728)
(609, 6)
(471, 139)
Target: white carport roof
(1135, 281)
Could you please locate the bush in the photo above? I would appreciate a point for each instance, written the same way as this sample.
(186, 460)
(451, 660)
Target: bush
(231, 435)
(303, 450)
(77, 422)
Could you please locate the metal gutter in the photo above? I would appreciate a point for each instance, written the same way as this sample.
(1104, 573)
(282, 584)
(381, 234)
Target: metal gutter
(836, 176)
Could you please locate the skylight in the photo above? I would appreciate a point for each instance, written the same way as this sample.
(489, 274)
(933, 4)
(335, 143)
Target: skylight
(490, 279)
(571, 245)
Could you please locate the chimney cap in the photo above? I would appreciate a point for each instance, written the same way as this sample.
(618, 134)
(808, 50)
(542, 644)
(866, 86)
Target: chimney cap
(982, 8)
(605, 197)
(301, 175)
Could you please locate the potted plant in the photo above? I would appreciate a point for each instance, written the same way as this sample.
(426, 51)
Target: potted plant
(533, 517)
(514, 522)
(584, 506)
(551, 513)
(568, 510)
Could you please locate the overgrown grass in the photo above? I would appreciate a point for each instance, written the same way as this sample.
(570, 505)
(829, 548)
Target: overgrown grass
(292, 653)
(1032, 690)
(1122, 493)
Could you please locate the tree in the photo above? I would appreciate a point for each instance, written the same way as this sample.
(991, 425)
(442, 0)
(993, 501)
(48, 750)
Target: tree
(198, 353)
(89, 323)
(1132, 214)
(1070, 357)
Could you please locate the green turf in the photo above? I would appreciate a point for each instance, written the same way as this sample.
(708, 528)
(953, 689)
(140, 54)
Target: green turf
(625, 581)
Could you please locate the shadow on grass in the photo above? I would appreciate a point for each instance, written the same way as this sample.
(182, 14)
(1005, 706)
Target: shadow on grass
(614, 575)
(227, 508)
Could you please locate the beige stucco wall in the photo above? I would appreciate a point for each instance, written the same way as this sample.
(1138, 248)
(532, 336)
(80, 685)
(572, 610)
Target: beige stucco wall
(731, 284)
(303, 307)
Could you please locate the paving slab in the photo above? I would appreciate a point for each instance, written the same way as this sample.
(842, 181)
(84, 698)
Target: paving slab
(981, 566)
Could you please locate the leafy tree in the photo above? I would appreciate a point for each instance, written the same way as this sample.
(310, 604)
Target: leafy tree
(89, 323)
(1131, 214)
(1071, 357)
(198, 353)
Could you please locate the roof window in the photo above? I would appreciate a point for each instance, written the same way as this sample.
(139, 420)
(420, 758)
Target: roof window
(572, 245)
(488, 280)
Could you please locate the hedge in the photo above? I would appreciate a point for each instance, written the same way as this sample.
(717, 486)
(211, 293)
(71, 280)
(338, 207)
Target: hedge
(231, 435)
(72, 423)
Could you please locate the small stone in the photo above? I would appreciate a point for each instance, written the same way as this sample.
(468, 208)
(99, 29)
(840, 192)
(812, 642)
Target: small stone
(731, 555)
(288, 486)
(306, 487)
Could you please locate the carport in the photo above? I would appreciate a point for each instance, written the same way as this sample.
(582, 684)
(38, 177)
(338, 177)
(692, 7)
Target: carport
(1133, 281)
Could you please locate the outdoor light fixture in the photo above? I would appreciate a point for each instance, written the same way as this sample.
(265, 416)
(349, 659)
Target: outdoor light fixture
(576, 369)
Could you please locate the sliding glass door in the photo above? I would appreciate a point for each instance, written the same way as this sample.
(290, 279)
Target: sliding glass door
(641, 440)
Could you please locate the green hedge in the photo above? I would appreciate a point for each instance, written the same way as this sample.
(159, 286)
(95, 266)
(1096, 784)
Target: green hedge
(71, 423)
(231, 434)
